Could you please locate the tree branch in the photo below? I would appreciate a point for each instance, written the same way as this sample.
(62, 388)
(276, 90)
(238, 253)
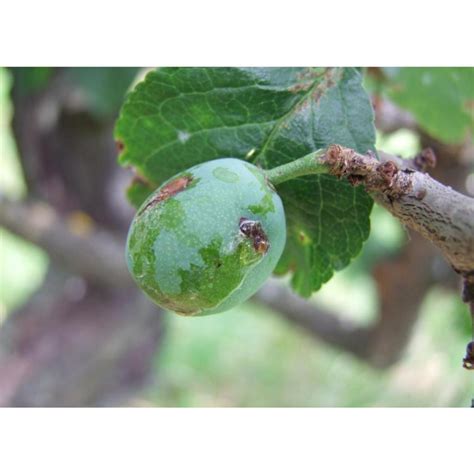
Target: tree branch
(325, 325)
(440, 214)
(95, 254)
(389, 118)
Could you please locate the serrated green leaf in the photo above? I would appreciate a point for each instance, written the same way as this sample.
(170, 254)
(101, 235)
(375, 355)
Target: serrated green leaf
(179, 117)
(441, 99)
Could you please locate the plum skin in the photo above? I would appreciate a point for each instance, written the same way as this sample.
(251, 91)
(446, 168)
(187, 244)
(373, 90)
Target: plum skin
(208, 238)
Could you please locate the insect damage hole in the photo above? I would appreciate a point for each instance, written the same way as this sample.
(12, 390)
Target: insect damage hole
(253, 230)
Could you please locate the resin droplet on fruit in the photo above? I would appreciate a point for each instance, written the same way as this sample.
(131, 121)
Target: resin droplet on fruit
(208, 238)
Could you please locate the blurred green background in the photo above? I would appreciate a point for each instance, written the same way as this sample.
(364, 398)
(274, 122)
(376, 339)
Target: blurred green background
(251, 357)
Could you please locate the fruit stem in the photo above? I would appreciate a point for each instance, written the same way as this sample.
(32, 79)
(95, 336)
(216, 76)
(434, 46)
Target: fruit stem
(309, 164)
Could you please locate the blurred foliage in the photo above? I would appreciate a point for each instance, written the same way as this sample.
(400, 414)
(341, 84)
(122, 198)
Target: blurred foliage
(224, 361)
(30, 80)
(12, 183)
(22, 269)
(404, 143)
(440, 99)
(22, 265)
(104, 88)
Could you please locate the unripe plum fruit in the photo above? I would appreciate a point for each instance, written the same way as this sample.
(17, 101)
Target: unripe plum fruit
(208, 238)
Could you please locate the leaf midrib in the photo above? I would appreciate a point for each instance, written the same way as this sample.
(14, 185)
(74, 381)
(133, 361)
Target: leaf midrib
(281, 120)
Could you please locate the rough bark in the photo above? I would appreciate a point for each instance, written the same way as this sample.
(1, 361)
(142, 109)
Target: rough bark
(440, 214)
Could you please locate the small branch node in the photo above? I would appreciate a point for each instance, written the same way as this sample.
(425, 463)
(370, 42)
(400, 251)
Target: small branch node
(383, 177)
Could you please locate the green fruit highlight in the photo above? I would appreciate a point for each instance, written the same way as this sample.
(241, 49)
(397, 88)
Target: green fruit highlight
(208, 238)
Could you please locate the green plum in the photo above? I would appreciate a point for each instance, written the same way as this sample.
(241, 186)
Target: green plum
(208, 238)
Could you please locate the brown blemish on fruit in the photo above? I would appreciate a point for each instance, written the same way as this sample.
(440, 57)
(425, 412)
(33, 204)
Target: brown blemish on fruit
(174, 187)
(171, 189)
(254, 231)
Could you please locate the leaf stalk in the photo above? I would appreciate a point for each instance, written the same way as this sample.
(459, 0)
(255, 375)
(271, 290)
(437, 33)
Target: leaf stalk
(308, 164)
